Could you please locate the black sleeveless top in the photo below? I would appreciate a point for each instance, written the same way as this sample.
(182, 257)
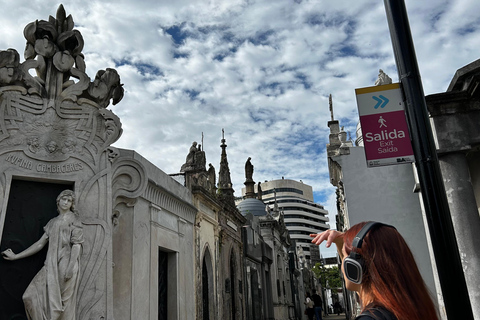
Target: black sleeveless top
(377, 313)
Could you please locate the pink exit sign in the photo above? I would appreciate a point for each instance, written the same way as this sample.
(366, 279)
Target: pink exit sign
(384, 126)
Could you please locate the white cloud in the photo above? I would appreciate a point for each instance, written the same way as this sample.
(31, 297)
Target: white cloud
(262, 70)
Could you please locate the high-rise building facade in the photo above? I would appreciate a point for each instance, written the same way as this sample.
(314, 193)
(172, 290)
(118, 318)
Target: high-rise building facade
(302, 215)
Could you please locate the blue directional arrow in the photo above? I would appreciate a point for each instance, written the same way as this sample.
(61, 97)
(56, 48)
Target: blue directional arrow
(381, 101)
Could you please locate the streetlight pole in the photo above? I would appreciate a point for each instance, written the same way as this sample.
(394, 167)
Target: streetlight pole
(442, 234)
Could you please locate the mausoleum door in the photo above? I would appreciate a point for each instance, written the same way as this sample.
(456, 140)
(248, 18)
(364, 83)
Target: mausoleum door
(162, 285)
(232, 284)
(205, 293)
(256, 295)
(30, 206)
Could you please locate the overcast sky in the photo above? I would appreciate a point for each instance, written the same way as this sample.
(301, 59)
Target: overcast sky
(261, 69)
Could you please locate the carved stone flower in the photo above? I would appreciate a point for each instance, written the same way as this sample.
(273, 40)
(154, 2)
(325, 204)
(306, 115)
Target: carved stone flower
(45, 47)
(29, 51)
(41, 35)
(71, 41)
(9, 62)
(106, 86)
(63, 61)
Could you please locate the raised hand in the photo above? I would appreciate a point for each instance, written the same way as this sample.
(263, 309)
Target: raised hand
(329, 236)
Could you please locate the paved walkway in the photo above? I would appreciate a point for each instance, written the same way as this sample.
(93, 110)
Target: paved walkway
(335, 317)
(332, 317)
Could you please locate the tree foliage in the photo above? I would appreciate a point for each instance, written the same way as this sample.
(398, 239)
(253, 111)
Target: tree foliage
(329, 277)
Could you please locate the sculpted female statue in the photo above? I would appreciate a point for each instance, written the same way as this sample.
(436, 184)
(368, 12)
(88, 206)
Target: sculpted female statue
(249, 170)
(52, 292)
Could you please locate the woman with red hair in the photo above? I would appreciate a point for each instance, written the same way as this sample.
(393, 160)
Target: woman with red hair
(378, 264)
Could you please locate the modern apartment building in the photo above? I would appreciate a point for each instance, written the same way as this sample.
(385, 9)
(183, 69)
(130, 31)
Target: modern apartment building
(302, 215)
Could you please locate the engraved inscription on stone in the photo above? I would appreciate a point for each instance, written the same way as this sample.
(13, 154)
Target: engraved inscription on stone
(44, 167)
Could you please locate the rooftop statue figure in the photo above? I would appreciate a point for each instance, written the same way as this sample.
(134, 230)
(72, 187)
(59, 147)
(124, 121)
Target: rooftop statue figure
(211, 175)
(383, 78)
(195, 160)
(200, 159)
(249, 170)
(191, 153)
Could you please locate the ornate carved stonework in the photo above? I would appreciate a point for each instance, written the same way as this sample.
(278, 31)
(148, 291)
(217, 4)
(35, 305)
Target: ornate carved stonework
(54, 127)
(59, 112)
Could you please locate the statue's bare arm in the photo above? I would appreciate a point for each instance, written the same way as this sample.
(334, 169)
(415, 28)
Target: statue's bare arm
(34, 248)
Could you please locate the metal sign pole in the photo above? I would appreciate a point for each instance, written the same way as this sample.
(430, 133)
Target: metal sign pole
(442, 234)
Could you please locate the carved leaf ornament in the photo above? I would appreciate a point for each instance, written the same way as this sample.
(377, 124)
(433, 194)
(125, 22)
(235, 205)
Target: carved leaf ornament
(49, 107)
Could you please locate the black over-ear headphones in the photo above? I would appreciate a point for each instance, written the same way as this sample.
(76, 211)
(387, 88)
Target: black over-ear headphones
(353, 264)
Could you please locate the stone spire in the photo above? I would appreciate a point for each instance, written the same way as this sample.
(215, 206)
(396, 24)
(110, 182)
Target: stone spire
(225, 190)
(334, 142)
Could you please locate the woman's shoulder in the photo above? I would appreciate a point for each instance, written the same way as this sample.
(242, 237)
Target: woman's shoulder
(50, 224)
(377, 313)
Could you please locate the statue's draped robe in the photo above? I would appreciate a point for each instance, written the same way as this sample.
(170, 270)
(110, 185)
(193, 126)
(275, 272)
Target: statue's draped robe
(49, 296)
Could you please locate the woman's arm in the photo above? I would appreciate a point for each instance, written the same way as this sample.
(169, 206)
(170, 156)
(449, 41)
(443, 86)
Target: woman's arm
(331, 236)
(34, 248)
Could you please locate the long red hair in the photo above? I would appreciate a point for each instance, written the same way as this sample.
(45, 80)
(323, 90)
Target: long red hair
(391, 278)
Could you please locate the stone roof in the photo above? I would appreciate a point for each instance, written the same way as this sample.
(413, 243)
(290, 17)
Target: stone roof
(253, 206)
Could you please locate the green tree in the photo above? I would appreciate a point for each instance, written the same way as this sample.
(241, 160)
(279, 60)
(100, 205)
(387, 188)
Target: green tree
(329, 277)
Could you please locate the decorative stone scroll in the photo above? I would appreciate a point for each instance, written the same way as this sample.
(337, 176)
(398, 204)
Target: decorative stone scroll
(129, 181)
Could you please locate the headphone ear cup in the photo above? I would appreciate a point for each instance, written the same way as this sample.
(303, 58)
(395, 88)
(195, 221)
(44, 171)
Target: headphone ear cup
(353, 268)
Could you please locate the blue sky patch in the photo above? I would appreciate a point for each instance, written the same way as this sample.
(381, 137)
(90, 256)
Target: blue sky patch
(219, 57)
(303, 80)
(261, 37)
(178, 55)
(262, 115)
(348, 50)
(222, 55)
(178, 33)
(271, 89)
(471, 28)
(142, 67)
(192, 94)
(145, 68)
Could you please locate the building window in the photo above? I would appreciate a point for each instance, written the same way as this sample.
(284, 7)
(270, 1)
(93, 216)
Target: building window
(283, 190)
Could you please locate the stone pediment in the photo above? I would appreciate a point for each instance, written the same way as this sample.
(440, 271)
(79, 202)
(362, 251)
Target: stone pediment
(49, 107)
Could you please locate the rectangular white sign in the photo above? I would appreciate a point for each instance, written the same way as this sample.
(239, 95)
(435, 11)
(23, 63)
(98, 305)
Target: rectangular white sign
(384, 126)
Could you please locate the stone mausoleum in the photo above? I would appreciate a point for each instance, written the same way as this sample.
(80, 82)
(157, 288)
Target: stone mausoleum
(135, 224)
(218, 245)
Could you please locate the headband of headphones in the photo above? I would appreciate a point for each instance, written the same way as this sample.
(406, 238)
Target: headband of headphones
(358, 240)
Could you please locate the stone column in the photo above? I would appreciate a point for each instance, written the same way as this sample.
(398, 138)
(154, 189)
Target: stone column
(466, 220)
